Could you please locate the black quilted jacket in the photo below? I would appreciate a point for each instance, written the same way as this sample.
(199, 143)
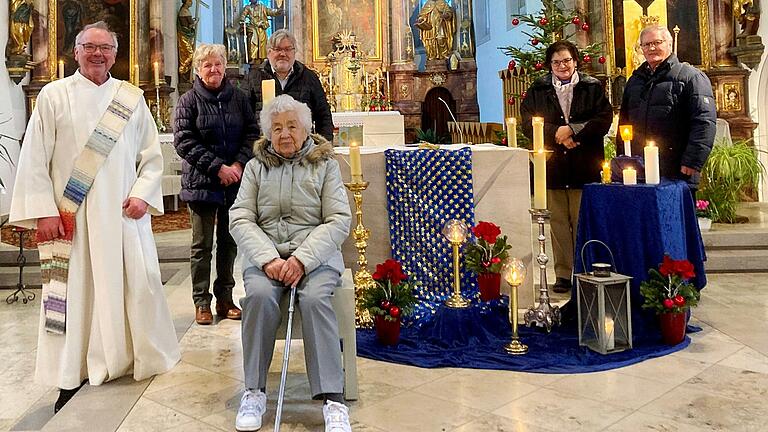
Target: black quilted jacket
(212, 129)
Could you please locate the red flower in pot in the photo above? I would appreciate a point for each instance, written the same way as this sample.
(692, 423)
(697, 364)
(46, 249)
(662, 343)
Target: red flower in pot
(389, 300)
(485, 257)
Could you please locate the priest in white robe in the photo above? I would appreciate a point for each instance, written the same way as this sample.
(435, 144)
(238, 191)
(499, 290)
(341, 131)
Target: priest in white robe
(117, 318)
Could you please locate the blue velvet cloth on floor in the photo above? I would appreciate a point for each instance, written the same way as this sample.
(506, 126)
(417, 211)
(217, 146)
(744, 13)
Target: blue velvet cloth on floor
(475, 338)
(640, 224)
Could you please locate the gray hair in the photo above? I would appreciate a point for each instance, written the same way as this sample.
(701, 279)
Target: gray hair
(278, 37)
(657, 28)
(204, 51)
(101, 25)
(281, 104)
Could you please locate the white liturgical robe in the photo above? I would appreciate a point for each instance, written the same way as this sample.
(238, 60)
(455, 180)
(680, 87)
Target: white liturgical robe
(117, 321)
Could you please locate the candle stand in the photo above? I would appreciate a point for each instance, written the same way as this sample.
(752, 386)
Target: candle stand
(362, 277)
(544, 314)
(455, 231)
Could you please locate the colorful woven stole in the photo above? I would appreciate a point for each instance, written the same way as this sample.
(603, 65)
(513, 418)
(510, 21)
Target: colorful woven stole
(54, 254)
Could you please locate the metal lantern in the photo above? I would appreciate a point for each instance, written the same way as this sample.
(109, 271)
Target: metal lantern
(604, 309)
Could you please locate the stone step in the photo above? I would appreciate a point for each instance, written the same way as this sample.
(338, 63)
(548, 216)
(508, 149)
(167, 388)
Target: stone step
(731, 237)
(737, 260)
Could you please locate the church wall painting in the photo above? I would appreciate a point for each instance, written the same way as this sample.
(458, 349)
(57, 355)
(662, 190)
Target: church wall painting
(363, 17)
(72, 15)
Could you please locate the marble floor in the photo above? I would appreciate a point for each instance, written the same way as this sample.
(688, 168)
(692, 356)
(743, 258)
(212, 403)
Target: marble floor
(719, 383)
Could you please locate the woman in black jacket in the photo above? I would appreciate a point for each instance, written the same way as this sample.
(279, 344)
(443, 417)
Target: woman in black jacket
(577, 114)
(214, 129)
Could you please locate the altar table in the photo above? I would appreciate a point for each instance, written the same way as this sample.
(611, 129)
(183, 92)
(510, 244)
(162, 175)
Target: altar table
(501, 193)
(640, 224)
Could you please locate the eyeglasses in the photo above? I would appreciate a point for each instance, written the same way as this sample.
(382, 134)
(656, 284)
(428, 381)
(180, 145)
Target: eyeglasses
(283, 50)
(564, 62)
(654, 44)
(91, 48)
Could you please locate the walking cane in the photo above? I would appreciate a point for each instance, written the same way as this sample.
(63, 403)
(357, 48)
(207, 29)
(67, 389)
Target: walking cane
(286, 354)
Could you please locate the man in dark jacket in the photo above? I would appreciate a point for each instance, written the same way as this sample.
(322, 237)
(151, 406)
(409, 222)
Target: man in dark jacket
(577, 115)
(292, 78)
(670, 103)
(214, 130)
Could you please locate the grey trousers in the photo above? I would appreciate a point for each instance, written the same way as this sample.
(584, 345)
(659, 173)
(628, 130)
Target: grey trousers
(261, 318)
(564, 206)
(205, 217)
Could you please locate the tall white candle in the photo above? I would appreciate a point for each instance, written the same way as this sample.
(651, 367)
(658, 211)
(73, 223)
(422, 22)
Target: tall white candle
(609, 334)
(511, 131)
(651, 159)
(630, 176)
(267, 90)
(626, 134)
(539, 179)
(388, 85)
(538, 133)
(355, 164)
(61, 69)
(156, 71)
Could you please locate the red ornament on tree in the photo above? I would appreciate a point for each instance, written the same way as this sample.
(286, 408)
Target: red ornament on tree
(511, 100)
(539, 66)
(504, 141)
(511, 65)
(576, 20)
(534, 41)
(544, 21)
(601, 60)
(394, 311)
(385, 305)
(585, 27)
(515, 21)
(587, 58)
(668, 303)
(523, 95)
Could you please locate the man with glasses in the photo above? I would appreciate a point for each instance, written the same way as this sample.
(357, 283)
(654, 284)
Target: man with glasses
(89, 176)
(292, 78)
(670, 103)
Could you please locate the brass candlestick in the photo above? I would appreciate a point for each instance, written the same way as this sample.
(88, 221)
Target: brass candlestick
(158, 115)
(514, 274)
(456, 232)
(362, 277)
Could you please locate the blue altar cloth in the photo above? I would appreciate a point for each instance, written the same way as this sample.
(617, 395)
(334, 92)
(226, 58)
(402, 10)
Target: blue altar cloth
(475, 338)
(640, 224)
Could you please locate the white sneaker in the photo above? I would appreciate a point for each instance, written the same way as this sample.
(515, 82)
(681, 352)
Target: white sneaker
(253, 405)
(336, 417)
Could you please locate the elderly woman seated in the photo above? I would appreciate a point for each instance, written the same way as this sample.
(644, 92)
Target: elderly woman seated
(289, 220)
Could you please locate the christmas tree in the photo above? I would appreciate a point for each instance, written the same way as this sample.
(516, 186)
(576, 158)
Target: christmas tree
(550, 25)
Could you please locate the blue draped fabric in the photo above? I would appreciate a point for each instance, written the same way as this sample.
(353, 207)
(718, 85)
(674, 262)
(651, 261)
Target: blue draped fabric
(639, 223)
(426, 189)
(475, 338)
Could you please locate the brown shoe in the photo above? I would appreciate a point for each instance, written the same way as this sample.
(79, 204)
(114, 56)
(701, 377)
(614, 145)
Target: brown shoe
(203, 315)
(229, 310)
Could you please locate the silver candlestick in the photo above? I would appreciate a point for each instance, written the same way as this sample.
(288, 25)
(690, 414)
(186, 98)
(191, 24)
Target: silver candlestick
(544, 314)
(158, 114)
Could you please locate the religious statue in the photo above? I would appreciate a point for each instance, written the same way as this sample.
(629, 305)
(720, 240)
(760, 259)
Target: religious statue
(747, 13)
(255, 20)
(186, 32)
(437, 22)
(20, 13)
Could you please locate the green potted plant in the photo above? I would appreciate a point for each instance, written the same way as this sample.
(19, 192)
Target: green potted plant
(669, 292)
(390, 299)
(430, 136)
(485, 257)
(728, 171)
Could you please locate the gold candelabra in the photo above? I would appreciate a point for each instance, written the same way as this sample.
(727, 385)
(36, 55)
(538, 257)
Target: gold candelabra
(362, 277)
(514, 273)
(455, 231)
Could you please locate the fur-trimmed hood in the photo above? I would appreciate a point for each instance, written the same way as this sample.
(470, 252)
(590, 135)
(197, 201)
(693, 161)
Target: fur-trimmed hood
(314, 150)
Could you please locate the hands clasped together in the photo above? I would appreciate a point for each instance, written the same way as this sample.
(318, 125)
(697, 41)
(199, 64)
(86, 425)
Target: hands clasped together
(230, 174)
(288, 271)
(49, 228)
(564, 136)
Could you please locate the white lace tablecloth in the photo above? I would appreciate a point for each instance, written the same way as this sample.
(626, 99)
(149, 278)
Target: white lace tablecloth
(355, 118)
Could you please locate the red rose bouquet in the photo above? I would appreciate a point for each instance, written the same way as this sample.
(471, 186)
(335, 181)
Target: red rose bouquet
(668, 289)
(489, 251)
(392, 296)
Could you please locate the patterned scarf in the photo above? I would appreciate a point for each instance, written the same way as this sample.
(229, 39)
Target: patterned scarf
(55, 254)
